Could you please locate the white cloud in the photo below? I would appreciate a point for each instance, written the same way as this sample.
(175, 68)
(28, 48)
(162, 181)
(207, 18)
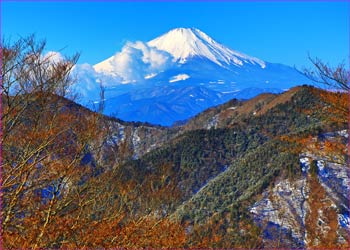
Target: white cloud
(135, 61)
(88, 81)
(86, 84)
(53, 57)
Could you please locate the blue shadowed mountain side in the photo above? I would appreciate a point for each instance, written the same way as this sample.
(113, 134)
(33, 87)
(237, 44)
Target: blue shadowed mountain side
(178, 75)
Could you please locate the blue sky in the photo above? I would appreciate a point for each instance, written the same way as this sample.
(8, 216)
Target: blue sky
(283, 32)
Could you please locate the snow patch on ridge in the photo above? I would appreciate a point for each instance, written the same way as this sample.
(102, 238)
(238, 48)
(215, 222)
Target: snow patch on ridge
(180, 77)
(149, 76)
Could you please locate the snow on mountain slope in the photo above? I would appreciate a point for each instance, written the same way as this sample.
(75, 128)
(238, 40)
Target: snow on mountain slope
(138, 60)
(183, 43)
(309, 205)
(180, 77)
(177, 60)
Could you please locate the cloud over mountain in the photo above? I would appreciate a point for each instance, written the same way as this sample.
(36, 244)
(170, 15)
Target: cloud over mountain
(136, 61)
(53, 56)
(177, 75)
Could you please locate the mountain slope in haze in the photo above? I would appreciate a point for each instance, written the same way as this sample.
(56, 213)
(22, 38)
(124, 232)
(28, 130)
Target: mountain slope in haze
(184, 60)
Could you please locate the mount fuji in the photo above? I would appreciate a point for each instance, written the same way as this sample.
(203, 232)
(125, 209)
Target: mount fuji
(176, 76)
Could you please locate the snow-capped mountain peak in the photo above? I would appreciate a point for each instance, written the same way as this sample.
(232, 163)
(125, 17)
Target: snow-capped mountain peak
(184, 43)
(138, 60)
(178, 75)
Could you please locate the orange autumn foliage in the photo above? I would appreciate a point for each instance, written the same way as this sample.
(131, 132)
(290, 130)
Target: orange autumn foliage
(321, 222)
(51, 198)
(336, 107)
(333, 149)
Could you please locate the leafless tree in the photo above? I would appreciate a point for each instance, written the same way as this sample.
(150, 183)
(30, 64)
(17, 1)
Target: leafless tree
(51, 196)
(336, 78)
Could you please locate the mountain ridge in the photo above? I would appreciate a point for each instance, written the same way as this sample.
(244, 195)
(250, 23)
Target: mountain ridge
(257, 178)
(247, 167)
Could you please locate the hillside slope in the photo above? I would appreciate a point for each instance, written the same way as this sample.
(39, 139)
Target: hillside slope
(269, 172)
(225, 174)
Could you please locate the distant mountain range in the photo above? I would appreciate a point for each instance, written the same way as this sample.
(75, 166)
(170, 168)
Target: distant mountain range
(176, 76)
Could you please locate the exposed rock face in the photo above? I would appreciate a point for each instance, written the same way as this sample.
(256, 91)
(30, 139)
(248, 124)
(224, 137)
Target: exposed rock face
(285, 205)
(313, 209)
(125, 141)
